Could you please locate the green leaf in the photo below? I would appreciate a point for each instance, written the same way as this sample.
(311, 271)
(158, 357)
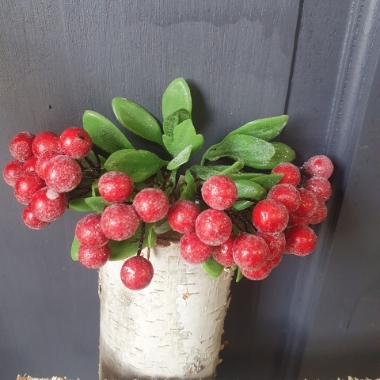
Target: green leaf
(152, 237)
(283, 153)
(242, 205)
(205, 172)
(173, 120)
(190, 188)
(267, 181)
(251, 190)
(79, 205)
(239, 275)
(120, 250)
(74, 249)
(212, 268)
(184, 134)
(137, 120)
(97, 203)
(138, 164)
(104, 133)
(176, 96)
(265, 129)
(247, 149)
(239, 176)
(180, 159)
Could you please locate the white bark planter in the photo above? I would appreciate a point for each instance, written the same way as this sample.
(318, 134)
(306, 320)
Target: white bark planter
(171, 329)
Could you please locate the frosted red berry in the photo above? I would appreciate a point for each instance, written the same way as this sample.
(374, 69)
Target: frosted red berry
(26, 186)
(48, 205)
(44, 142)
(137, 273)
(320, 166)
(119, 221)
(193, 250)
(42, 161)
(319, 215)
(115, 187)
(270, 216)
(89, 232)
(21, 146)
(31, 221)
(296, 220)
(308, 204)
(257, 274)
(219, 192)
(301, 240)
(250, 251)
(62, 173)
(93, 257)
(182, 215)
(213, 227)
(151, 204)
(320, 187)
(223, 254)
(291, 173)
(12, 172)
(30, 164)
(75, 142)
(275, 261)
(287, 195)
(276, 244)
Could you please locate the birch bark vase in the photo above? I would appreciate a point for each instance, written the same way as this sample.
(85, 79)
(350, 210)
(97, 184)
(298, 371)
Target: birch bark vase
(171, 329)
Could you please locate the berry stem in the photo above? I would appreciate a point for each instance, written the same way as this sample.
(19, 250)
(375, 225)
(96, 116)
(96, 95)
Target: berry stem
(142, 236)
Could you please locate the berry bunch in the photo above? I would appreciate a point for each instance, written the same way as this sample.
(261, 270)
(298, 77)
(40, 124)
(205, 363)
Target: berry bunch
(236, 216)
(44, 169)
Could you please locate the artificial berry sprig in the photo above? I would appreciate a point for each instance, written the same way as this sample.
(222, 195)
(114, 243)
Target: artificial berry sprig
(242, 216)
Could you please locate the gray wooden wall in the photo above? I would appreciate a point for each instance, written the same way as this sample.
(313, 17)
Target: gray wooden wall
(317, 61)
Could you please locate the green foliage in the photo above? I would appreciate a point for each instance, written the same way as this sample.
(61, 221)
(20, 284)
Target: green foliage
(137, 120)
(104, 133)
(213, 268)
(176, 96)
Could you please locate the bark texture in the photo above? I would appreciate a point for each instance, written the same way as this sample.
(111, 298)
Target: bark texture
(171, 329)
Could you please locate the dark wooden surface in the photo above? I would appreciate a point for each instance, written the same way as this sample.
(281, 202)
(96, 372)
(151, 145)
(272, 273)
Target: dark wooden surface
(315, 60)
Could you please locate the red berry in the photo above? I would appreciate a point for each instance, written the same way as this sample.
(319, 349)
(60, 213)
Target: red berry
(287, 195)
(250, 251)
(275, 261)
(193, 250)
(48, 205)
(320, 187)
(93, 257)
(219, 192)
(319, 215)
(291, 173)
(21, 146)
(115, 187)
(276, 243)
(119, 221)
(300, 240)
(26, 186)
(42, 161)
(257, 274)
(75, 142)
(136, 273)
(320, 166)
(151, 204)
(213, 227)
(12, 172)
(182, 215)
(296, 220)
(89, 232)
(270, 216)
(222, 254)
(44, 142)
(30, 165)
(308, 204)
(62, 173)
(31, 221)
